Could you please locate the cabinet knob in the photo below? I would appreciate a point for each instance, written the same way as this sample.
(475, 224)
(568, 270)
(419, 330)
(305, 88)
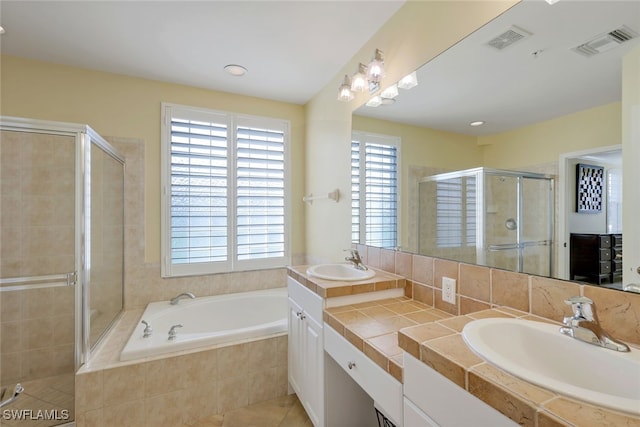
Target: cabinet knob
(300, 315)
(351, 365)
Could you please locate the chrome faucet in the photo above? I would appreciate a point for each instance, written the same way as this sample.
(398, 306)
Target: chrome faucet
(177, 299)
(147, 329)
(173, 333)
(355, 259)
(584, 325)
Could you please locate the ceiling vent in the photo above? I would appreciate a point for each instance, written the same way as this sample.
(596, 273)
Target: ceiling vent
(605, 42)
(512, 35)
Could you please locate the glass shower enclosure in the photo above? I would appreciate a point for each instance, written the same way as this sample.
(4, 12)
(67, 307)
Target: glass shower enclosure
(497, 218)
(62, 260)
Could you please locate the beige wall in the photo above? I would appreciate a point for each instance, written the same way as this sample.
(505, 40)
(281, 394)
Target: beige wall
(121, 106)
(544, 142)
(415, 34)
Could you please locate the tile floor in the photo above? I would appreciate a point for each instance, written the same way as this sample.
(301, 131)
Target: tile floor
(47, 394)
(284, 411)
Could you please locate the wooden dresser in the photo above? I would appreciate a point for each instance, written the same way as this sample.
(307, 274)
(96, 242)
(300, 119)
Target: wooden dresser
(596, 257)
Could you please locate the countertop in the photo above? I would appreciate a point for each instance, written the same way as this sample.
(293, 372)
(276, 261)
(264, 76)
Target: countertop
(383, 329)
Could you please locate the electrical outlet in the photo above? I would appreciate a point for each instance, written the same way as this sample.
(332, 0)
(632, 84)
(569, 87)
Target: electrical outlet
(449, 290)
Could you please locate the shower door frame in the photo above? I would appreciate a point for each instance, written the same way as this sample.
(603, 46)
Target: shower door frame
(519, 245)
(479, 173)
(83, 136)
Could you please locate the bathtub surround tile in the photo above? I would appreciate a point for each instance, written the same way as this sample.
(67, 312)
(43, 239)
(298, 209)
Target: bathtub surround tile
(232, 393)
(123, 384)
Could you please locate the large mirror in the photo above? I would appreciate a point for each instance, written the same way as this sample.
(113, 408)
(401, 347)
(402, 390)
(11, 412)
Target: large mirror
(545, 80)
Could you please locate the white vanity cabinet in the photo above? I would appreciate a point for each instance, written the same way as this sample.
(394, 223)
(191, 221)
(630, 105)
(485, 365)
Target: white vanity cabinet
(432, 400)
(306, 352)
(377, 386)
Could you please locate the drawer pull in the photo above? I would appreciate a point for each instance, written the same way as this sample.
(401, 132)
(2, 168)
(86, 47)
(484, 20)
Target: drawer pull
(351, 365)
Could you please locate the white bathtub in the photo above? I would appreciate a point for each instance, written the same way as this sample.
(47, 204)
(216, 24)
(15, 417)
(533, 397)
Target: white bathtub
(209, 321)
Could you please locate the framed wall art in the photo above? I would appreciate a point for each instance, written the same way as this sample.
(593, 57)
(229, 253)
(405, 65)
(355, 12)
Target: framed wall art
(589, 188)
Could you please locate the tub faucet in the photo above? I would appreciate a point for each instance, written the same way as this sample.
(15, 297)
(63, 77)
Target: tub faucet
(355, 259)
(147, 329)
(173, 333)
(177, 299)
(584, 325)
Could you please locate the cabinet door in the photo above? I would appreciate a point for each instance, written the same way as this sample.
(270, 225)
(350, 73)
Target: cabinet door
(313, 365)
(295, 347)
(414, 417)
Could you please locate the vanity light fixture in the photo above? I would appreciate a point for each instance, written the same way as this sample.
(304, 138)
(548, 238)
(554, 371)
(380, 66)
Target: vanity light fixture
(375, 101)
(359, 81)
(408, 81)
(390, 92)
(477, 123)
(235, 70)
(345, 94)
(1, 30)
(375, 70)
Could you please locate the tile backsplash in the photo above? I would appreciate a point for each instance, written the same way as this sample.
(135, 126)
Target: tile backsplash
(479, 288)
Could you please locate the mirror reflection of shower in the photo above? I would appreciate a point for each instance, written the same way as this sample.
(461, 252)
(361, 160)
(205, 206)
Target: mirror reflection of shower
(491, 217)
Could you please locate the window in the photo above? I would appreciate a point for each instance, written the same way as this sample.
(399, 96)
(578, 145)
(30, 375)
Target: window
(455, 212)
(225, 192)
(374, 189)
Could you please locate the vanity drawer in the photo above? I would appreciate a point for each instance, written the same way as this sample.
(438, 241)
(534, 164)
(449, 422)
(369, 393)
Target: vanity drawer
(385, 390)
(605, 254)
(605, 267)
(604, 240)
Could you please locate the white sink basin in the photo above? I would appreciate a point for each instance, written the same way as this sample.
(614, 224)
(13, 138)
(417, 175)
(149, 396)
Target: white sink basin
(341, 272)
(537, 352)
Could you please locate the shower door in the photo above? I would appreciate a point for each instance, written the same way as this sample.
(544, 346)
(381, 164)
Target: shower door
(518, 222)
(38, 273)
(61, 262)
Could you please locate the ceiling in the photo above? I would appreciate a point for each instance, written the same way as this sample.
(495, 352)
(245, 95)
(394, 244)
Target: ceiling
(292, 49)
(514, 87)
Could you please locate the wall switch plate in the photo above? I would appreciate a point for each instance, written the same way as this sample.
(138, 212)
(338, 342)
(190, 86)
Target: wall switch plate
(449, 290)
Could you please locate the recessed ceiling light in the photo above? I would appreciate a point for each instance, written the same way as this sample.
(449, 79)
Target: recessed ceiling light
(235, 70)
(478, 123)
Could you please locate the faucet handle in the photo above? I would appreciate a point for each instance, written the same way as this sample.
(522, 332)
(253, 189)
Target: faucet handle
(582, 308)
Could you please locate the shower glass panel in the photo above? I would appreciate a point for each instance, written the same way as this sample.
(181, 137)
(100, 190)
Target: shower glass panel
(501, 221)
(106, 221)
(490, 217)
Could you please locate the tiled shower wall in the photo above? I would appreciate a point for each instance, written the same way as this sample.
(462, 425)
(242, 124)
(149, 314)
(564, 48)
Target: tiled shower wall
(479, 288)
(37, 238)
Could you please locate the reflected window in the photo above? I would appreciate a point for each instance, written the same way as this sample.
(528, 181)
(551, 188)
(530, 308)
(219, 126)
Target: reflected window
(455, 212)
(374, 189)
(225, 192)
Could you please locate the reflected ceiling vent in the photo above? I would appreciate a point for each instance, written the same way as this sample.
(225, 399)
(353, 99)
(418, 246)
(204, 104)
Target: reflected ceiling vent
(512, 35)
(605, 42)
